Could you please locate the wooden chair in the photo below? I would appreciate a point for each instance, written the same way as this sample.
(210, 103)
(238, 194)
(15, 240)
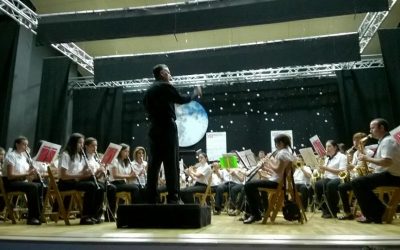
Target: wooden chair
(123, 197)
(276, 198)
(202, 196)
(12, 211)
(393, 194)
(391, 206)
(163, 197)
(55, 196)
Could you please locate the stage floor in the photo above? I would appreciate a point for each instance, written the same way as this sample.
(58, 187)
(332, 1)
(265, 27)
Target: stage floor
(223, 230)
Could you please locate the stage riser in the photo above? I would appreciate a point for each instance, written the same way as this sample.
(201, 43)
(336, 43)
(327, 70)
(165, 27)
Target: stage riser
(163, 216)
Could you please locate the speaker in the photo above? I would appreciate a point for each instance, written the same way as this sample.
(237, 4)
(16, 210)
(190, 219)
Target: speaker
(163, 216)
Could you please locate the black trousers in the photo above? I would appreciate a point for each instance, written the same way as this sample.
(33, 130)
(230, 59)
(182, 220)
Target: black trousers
(330, 188)
(219, 193)
(344, 188)
(131, 188)
(305, 194)
(92, 199)
(363, 187)
(187, 193)
(253, 195)
(164, 148)
(33, 191)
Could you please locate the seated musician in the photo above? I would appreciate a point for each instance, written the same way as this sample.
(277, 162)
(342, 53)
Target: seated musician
(302, 180)
(76, 174)
(200, 173)
(123, 176)
(335, 162)
(353, 163)
(231, 177)
(282, 158)
(101, 176)
(18, 174)
(387, 156)
(140, 166)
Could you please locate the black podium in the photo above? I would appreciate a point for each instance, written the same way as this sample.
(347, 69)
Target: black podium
(163, 216)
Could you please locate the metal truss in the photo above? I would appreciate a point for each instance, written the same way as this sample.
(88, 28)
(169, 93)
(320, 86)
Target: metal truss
(20, 13)
(76, 54)
(245, 76)
(372, 21)
(28, 18)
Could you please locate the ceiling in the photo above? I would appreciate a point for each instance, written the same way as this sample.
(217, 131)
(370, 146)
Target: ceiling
(211, 38)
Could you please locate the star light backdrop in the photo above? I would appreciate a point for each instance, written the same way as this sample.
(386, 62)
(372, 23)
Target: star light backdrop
(248, 112)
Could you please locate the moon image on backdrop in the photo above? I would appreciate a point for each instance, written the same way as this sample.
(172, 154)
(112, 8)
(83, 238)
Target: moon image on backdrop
(192, 123)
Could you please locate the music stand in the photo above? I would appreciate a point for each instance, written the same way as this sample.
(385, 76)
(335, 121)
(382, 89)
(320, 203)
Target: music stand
(111, 153)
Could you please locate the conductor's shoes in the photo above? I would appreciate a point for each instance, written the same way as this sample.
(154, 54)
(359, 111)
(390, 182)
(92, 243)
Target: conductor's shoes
(252, 219)
(33, 221)
(87, 221)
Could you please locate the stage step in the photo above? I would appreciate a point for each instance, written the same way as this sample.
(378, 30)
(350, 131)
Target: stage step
(163, 216)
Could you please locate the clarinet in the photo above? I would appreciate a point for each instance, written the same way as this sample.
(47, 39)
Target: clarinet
(137, 176)
(87, 165)
(97, 158)
(30, 162)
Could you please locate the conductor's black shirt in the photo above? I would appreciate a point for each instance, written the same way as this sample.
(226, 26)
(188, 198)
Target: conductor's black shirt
(159, 102)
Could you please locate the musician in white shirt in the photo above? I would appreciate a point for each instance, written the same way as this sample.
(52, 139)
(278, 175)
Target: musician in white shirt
(335, 162)
(283, 158)
(231, 177)
(123, 176)
(302, 180)
(201, 174)
(16, 173)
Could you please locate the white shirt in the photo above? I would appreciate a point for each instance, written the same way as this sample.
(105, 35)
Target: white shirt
(282, 155)
(140, 171)
(339, 161)
(121, 169)
(300, 178)
(73, 166)
(206, 171)
(18, 161)
(389, 148)
(226, 176)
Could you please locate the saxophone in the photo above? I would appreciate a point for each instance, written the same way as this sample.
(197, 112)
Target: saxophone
(344, 175)
(362, 168)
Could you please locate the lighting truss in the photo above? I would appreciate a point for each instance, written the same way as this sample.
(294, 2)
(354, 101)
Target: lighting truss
(244, 76)
(20, 13)
(28, 18)
(370, 25)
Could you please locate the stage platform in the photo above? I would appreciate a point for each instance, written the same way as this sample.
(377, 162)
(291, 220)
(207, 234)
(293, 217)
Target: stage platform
(224, 232)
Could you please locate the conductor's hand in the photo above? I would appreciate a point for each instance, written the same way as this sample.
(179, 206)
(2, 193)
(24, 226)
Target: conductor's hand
(197, 91)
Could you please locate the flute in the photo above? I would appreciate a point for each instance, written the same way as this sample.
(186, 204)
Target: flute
(87, 165)
(133, 170)
(30, 162)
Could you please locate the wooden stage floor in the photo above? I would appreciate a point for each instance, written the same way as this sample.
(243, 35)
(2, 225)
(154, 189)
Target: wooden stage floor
(224, 229)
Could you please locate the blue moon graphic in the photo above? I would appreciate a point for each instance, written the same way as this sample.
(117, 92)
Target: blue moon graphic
(192, 123)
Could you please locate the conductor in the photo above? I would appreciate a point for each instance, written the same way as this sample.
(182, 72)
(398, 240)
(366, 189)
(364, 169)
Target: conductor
(159, 102)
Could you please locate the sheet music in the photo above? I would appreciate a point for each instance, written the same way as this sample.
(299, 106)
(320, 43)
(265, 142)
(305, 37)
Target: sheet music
(396, 134)
(318, 146)
(47, 152)
(111, 153)
(309, 157)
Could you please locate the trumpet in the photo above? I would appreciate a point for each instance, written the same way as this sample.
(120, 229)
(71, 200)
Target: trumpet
(87, 166)
(30, 162)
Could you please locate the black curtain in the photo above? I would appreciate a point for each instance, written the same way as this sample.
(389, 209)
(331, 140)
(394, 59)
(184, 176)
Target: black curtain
(9, 31)
(364, 96)
(390, 46)
(98, 113)
(52, 115)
